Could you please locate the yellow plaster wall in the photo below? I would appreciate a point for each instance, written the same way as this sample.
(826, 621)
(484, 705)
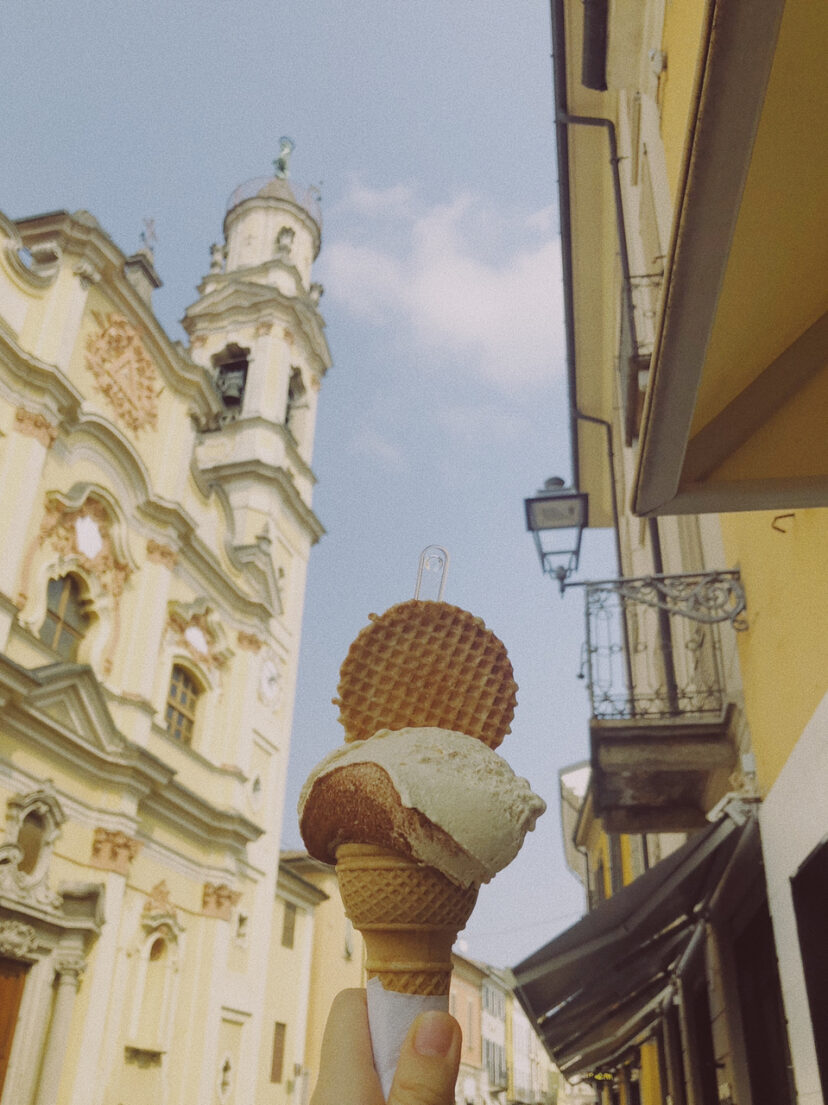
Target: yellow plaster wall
(649, 1081)
(684, 22)
(784, 573)
(331, 969)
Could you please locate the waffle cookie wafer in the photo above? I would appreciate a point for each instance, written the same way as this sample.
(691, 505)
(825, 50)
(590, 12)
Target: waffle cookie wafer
(425, 663)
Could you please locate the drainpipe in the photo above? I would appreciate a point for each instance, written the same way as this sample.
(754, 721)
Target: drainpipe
(563, 120)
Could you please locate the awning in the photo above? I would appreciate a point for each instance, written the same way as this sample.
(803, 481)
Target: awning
(594, 988)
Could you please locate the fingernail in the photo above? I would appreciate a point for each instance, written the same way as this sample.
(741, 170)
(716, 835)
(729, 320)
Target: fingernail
(434, 1034)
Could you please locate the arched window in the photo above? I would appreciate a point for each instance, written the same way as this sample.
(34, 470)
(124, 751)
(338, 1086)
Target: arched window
(182, 699)
(30, 840)
(67, 619)
(231, 379)
(296, 401)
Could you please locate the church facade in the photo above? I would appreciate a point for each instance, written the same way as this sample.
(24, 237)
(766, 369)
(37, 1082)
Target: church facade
(156, 526)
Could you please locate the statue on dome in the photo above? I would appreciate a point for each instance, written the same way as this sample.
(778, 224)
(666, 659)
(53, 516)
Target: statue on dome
(282, 163)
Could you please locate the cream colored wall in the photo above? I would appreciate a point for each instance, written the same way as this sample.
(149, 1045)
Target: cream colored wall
(188, 816)
(287, 986)
(684, 24)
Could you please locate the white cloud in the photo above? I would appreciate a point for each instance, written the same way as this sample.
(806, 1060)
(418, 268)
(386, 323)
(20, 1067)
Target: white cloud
(396, 200)
(373, 445)
(476, 288)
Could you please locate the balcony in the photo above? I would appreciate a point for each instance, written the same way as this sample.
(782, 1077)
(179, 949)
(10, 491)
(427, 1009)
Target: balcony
(661, 740)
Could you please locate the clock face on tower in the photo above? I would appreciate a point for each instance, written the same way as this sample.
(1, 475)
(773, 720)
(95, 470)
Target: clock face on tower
(270, 682)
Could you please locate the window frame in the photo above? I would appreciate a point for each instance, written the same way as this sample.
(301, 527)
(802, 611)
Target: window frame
(71, 599)
(175, 707)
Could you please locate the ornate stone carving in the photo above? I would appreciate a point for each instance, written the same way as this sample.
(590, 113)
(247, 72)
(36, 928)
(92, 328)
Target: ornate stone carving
(17, 940)
(218, 901)
(197, 630)
(161, 554)
(123, 371)
(70, 964)
(24, 870)
(87, 274)
(250, 642)
(113, 850)
(35, 425)
(159, 915)
(61, 526)
(284, 242)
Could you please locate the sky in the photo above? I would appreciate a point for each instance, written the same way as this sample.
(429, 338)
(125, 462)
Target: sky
(428, 129)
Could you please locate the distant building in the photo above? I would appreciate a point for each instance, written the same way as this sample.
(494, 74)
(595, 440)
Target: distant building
(503, 1060)
(156, 525)
(695, 251)
(337, 962)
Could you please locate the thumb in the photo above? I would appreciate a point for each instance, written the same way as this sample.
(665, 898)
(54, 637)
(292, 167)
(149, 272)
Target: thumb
(430, 1058)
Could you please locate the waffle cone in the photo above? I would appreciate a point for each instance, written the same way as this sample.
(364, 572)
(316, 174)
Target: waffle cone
(423, 664)
(409, 917)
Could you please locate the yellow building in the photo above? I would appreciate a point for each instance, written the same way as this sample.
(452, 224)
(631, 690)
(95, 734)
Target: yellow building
(156, 527)
(337, 962)
(695, 250)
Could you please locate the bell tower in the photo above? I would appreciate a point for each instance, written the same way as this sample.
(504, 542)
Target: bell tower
(257, 330)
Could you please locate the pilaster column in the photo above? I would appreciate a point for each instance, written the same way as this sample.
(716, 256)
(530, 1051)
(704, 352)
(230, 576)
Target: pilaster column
(69, 967)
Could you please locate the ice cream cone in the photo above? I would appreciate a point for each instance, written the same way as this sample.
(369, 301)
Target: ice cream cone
(409, 916)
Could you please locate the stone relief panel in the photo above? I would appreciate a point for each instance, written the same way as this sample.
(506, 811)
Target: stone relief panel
(113, 850)
(17, 940)
(218, 901)
(124, 373)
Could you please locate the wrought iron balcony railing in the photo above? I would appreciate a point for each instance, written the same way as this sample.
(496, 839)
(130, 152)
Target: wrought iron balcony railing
(652, 644)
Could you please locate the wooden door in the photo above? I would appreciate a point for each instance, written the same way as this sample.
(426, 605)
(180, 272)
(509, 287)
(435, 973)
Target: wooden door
(12, 981)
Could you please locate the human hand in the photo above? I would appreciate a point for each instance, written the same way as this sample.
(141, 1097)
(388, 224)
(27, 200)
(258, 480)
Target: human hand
(426, 1073)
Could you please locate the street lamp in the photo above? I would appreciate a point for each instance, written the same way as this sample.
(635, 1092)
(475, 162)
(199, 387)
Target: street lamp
(557, 517)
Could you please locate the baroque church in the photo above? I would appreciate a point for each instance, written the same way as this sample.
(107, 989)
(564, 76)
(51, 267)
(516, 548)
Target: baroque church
(156, 526)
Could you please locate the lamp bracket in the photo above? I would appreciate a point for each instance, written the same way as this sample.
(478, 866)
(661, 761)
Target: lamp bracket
(705, 597)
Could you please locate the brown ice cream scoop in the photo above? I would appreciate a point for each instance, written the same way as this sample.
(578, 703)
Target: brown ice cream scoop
(424, 664)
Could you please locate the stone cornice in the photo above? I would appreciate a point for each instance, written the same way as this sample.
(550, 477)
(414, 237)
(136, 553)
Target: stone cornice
(236, 301)
(81, 238)
(292, 885)
(233, 429)
(274, 474)
(174, 525)
(102, 752)
(38, 382)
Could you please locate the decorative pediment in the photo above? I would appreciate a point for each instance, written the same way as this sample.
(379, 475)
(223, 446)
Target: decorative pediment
(257, 562)
(235, 295)
(71, 696)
